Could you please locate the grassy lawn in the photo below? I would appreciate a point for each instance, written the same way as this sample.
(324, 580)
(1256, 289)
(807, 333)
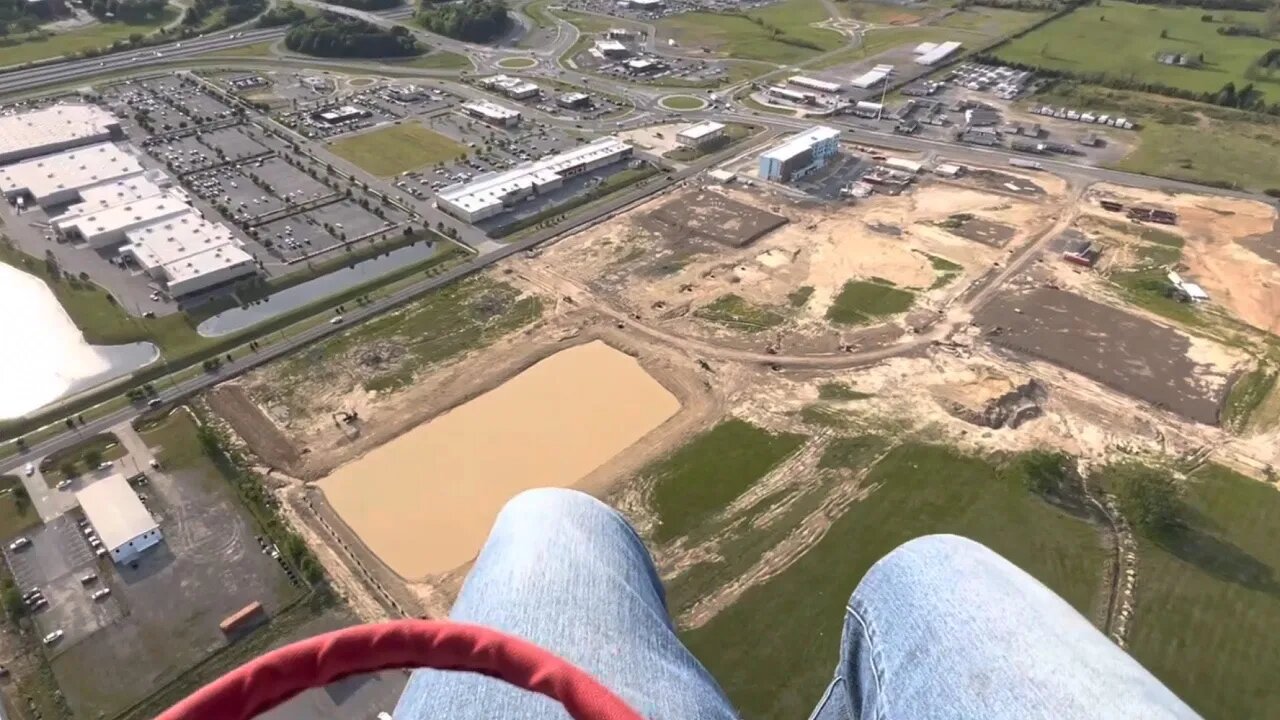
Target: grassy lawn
(1208, 596)
(793, 620)
(1149, 289)
(862, 302)
(880, 13)
(256, 50)
(15, 51)
(1122, 39)
(16, 513)
(1184, 140)
(537, 12)
(175, 443)
(840, 392)
(989, 21)
(442, 60)
(437, 327)
(104, 446)
(682, 102)
(706, 474)
(396, 149)
(784, 36)
(735, 312)
(1246, 395)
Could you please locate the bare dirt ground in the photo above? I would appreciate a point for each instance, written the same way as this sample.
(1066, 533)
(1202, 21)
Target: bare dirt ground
(666, 277)
(1226, 242)
(635, 288)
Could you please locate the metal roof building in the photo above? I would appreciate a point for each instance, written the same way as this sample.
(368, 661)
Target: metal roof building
(57, 179)
(121, 520)
(189, 253)
(54, 128)
(939, 53)
(703, 132)
(492, 193)
(108, 227)
(491, 112)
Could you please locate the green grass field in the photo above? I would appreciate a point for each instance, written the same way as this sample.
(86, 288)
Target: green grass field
(432, 329)
(735, 312)
(1208, 598)
(740, 37)
(256, 50)
(16, 513)
(441, 60)
(706, 474)
(396, 149)
(1185, 140)
(1122, 39)
(793, 620)
(105, 446)
(15, 51)
(682, 102)
(862, 302)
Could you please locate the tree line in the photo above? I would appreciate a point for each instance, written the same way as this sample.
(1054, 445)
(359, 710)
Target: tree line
(334, 35)
(17, 17)
(236, 11)
(472, 20)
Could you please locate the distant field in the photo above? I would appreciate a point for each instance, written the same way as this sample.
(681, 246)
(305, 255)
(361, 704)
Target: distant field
(1186, 140)
(393, 150)
(15, 51)
(774, 650)
(1122, 39)
(1209, 596)
(738, 36)
(711, 471)
(861, 302)
(442, 60)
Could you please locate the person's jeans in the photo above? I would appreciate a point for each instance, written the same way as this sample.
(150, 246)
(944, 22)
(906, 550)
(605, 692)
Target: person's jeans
(939, 628)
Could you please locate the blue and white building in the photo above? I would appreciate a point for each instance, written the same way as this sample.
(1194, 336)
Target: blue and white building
(800, 155)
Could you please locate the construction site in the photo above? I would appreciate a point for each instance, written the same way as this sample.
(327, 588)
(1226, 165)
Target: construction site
(943, 322)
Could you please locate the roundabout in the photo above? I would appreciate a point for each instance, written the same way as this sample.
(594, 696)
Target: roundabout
(517, 63)
(683, 103)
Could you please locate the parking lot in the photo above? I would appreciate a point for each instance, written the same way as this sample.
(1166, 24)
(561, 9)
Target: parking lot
(169, 102)
(353, 111)
(164, 609)
(490, 150)
(54, 563)
(196, 150)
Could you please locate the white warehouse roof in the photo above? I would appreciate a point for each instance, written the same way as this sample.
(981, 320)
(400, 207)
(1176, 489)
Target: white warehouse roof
(814, 83)
(491, 110)
(109, 194)
(872, 77)
(701, 130)
(76, 169)
(185, 247)
(938, 53)
(487, 190)
(802, 142)
(55, 127)
(115, 511)
(146, 211)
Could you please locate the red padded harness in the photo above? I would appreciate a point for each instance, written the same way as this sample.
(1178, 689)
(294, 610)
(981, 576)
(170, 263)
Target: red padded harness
(268, 681)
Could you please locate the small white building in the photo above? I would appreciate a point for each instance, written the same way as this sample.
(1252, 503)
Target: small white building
(701, 134)
(814, 84)
(492, 113)
(938, 53)
(612, 49)
(514, 88)
(122, 522)
(872, 77)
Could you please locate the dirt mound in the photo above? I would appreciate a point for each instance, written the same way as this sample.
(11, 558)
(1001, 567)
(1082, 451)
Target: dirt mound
(993, 399)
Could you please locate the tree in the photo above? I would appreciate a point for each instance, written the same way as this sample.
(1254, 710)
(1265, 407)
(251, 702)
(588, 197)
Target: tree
(1040, 471)
(67, 468)
(1146, 496)
(1164, 34)
(471, 20)
(12, 600)
(21, 498)
(92, 457)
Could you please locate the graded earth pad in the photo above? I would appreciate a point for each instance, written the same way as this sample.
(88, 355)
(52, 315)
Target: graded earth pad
(425, 501)
(1126, 352)
(1231, 247)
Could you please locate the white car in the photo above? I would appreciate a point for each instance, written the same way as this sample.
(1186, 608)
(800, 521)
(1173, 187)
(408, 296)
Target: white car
(20, 543)
(99, 594)
(64, 485)
(53, 637)
(336, 321)
(29, 469)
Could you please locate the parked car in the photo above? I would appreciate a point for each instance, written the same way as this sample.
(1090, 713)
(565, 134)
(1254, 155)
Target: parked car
(89, 578)
(19, 543)
(99, 594)
(63, 485)
(53, 637)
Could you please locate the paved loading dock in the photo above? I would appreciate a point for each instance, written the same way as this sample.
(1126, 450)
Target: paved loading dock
(1125, 352)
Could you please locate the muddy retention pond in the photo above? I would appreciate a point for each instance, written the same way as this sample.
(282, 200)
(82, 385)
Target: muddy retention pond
(425, 501)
